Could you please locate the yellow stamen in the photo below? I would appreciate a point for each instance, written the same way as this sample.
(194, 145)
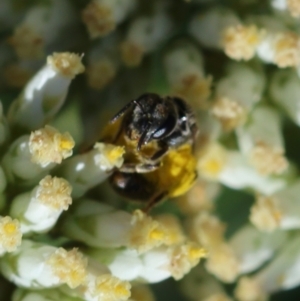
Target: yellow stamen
(146, 233)
(10, 228)
(10, 234)
(110, 288)
(240, 41)
(197, 252)
(212, 161)
(156, 234)
(48, 145)
(109, 156)
(55, 193)
(69, 267)
(67, 63)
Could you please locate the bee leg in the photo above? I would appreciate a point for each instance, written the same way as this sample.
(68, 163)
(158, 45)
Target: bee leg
(139, 168)
(157, 199)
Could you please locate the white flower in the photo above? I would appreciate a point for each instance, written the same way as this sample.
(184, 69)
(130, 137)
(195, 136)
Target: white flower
(279, 46)
(85, 171)
(208, 231)
(102, 16)
(103, 62)
(45, 93)
(284, 90)
(107, 288)
(240, 42)
(35, 265)
(17, 164)
(253, 247)
(42, 27)
(292, 6)
(262, 142)
(109, 156)
(154, 265)
(48, 145)
(214, 21)
(10, 234)
(185, 72)
(175, 261)
(91, 220)
(239, 174)
(277, 211)
(40, 209)
(281, 273)
(235, 98)
(21, 294)
(145, 34)
(199, 285)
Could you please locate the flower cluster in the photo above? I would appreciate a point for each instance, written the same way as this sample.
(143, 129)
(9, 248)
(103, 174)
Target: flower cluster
(67, 67)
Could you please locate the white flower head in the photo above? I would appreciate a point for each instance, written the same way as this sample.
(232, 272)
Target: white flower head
(293, 7)
(184, 257)
(284, 90)
(173, 261)
(144, 35)
(185, 71)
(106, 287)
(238, 173)
(229, 112)
(253, 247)
(277, 211)
(102, 16)
(48, 145)
(235, 98)
(146, 233)
(280, 48)
(214, 21)
(103, 62)
(40, 209)
(10, 234)
(109, 156)
(208, 230)
(40, 28)
(279, 274)
(68, 266)
(240, 41)
(223, 263)
(138, 231)
(45, 93)
(173, 228)
(101, 72)
(262, 141)
(55, 193)
(35, 265)
(212, 161)
(249, 289)
(66, 63)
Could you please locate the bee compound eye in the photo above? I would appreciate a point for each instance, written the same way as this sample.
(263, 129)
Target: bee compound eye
(159, 133)
(166, 128)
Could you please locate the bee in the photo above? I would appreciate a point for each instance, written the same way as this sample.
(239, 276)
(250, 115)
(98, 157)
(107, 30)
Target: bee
(158, 134)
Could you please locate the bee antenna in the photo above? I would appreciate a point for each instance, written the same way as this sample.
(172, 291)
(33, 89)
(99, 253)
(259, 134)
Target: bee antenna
(138, 104)
(122, 111)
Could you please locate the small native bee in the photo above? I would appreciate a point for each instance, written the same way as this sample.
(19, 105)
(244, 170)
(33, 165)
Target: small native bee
(158, 134)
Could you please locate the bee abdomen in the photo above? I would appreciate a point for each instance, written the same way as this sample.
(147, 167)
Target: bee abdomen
(133, 186)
